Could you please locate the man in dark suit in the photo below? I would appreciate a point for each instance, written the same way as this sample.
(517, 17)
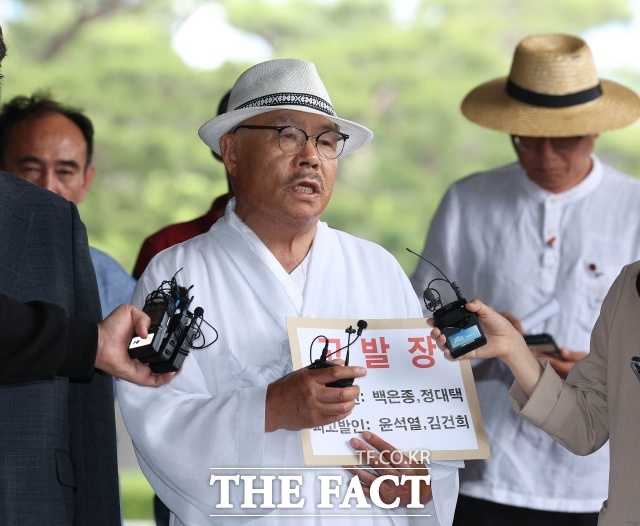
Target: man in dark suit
(58, 461)
(58, 442)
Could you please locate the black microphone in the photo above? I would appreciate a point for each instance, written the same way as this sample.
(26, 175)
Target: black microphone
(362, 325)
(322, 362)
(432, 301)
(325, 351)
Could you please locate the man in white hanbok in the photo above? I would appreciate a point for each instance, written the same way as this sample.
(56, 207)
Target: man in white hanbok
(236, 408)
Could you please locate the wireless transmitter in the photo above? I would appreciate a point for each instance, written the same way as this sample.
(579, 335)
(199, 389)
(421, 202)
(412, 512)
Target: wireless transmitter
(322, 363)
(173, 328)
(459, 325)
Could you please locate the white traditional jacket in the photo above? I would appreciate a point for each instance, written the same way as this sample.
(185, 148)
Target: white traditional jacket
(212, 414)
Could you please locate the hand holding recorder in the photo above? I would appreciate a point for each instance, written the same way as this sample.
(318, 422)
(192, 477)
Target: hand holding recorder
(114, 335)
(459, 325)
(503, 341)
(173, 328)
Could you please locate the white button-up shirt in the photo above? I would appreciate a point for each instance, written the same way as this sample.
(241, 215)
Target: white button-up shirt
(518, 247)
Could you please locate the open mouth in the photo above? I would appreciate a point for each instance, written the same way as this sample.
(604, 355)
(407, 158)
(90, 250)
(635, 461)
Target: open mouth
(305, 183)
(305, 188)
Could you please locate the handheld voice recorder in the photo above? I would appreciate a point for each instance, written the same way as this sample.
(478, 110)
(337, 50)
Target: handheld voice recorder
(173, 328)
(459, 325)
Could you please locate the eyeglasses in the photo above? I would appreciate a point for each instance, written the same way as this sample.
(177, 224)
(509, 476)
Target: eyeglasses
(292, 140)
(559, 144)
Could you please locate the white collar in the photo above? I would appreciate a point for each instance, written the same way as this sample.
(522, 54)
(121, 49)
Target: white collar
(295, 282)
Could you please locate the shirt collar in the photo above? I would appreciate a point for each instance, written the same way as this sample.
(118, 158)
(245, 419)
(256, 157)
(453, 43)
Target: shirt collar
(293, 283)
(236, 224)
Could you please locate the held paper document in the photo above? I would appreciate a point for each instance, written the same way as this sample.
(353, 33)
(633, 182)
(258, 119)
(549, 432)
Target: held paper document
(412, 396)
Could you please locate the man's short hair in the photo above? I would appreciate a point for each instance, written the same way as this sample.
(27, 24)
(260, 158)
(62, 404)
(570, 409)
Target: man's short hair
(22, 108)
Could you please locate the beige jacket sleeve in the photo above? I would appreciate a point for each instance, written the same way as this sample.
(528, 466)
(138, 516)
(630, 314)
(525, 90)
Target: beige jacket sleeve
(575, 412)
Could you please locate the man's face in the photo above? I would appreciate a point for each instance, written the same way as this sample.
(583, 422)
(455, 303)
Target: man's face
(554, 169)
(273, 188)
(51, 152)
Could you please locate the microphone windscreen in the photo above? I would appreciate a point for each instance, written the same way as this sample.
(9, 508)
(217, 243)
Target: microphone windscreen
(430, 296)
(362, 324)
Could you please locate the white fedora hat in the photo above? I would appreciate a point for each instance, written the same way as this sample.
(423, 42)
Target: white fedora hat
(282, 84)
(553, 90)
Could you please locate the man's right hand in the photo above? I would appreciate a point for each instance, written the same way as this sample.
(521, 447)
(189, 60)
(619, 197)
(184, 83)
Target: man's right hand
(301, 399)
(114, 336)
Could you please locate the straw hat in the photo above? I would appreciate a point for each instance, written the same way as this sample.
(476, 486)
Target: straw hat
(283, 84)
(552, 90)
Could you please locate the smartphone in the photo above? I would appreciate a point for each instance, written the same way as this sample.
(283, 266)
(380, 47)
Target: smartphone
(544, 344)
(635, 365)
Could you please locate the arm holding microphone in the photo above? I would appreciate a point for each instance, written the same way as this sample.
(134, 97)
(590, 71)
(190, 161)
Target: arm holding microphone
(504, 342)
(40, 342)
(574, 412)
(599, 400)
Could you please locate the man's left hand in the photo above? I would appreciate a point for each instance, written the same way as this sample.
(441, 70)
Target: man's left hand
(387, 460)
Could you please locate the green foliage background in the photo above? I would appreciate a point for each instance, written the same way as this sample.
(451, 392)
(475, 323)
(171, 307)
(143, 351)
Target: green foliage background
(403, 80)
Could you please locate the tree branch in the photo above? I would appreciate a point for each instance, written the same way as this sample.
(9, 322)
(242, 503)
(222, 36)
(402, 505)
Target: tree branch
(62, 39)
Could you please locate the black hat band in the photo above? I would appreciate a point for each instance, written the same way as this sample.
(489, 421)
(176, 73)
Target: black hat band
(553, 101)
(290, 99)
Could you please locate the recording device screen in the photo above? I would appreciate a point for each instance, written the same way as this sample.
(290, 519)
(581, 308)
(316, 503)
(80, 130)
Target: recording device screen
(465, 337)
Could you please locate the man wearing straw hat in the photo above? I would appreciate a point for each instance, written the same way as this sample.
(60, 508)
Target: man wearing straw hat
(238, 405)
(540, 240)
